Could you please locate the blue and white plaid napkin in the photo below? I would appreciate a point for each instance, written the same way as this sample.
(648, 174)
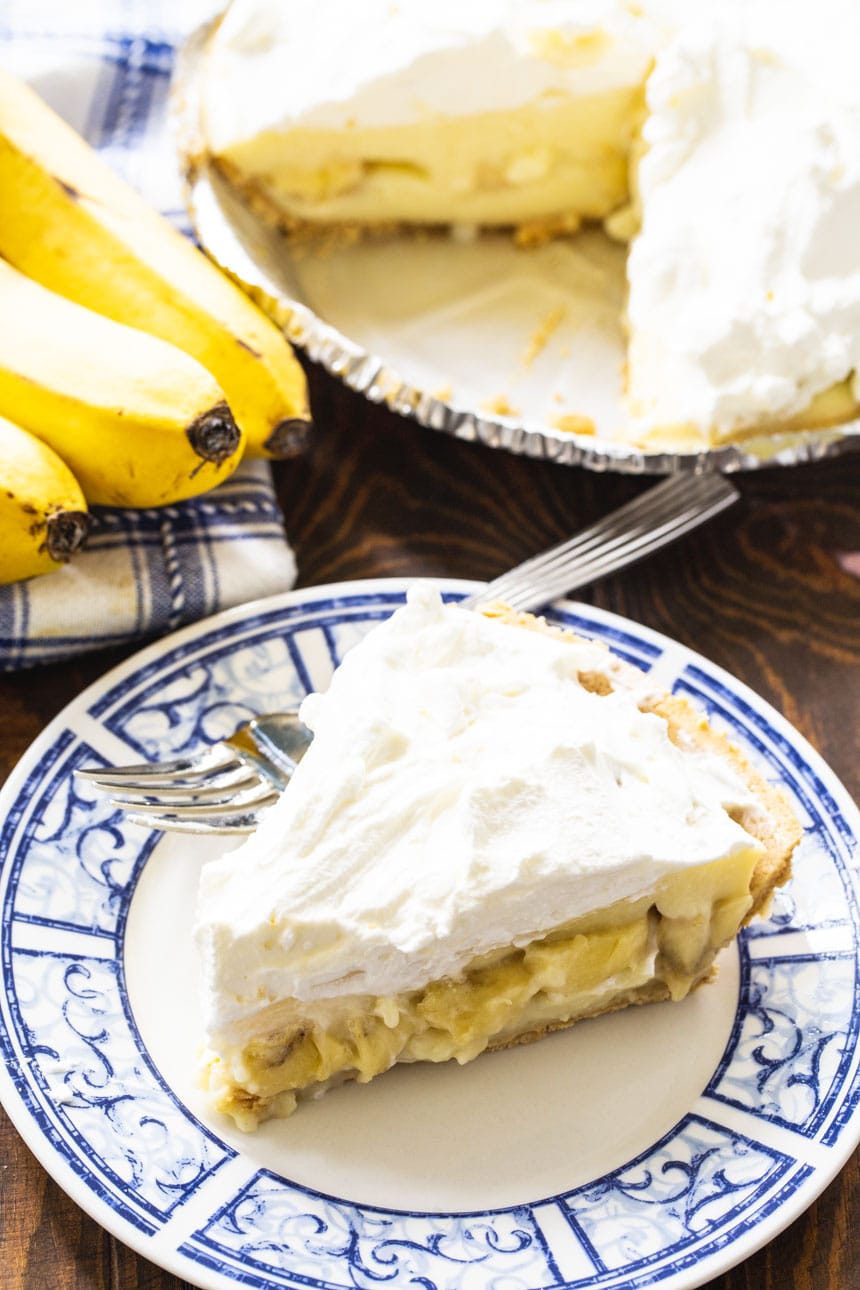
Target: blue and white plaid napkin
(105, 66)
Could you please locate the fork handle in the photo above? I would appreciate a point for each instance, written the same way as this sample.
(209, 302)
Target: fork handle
(648, 522)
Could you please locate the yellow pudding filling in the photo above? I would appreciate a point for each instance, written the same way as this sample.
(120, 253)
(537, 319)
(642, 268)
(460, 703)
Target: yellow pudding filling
(657, 947)
(555, 157)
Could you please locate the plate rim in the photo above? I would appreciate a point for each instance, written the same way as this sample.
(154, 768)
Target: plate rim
(169, 1257)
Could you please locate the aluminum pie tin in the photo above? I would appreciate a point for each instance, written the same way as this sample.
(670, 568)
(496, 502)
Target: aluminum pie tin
(468, 336)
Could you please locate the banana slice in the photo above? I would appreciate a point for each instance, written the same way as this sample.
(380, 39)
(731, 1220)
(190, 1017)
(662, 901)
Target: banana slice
(137, 421)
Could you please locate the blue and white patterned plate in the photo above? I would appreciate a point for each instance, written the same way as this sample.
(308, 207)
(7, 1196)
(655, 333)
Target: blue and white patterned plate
(655, 1146)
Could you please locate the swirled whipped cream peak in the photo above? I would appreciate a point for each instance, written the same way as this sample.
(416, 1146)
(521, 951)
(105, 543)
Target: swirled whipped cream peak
(468, 788)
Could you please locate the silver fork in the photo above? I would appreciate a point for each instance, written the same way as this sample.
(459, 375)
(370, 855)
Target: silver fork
(230, 786)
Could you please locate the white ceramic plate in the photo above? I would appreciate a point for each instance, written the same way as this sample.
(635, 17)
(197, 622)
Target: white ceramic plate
(658, 1145)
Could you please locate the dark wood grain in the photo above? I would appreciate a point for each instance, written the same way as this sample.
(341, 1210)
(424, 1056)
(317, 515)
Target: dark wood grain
(770, 591)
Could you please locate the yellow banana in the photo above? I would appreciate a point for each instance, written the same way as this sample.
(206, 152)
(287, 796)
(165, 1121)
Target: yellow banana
(67, 220)
(137, 422)
(43, 515)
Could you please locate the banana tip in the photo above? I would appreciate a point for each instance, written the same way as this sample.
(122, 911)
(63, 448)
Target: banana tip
(66, 533)
(214, 435)
(288, 437)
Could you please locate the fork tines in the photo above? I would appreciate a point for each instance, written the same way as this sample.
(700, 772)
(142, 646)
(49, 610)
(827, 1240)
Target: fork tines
(213, 792)
(216, 759)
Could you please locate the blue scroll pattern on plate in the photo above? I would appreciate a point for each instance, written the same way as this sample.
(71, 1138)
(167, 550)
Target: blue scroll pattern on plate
(76, 855)
(208, 697)
(696, 1182)
(87, 1057)
(796, 1025)
(814, 886)
(273, 1226)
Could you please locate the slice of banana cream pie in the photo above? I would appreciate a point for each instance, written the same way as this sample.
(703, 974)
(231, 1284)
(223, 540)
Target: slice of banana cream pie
(721, 138)
(496, 832)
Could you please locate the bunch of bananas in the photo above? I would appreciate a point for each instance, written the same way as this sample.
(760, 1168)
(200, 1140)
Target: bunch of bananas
(132, 371)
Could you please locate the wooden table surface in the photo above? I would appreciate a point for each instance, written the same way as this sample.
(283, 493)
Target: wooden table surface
(770, 591)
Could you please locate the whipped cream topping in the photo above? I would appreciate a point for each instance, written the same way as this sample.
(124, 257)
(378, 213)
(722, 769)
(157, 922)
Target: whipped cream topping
(463, 792)
(336, 64)
(745, 278)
